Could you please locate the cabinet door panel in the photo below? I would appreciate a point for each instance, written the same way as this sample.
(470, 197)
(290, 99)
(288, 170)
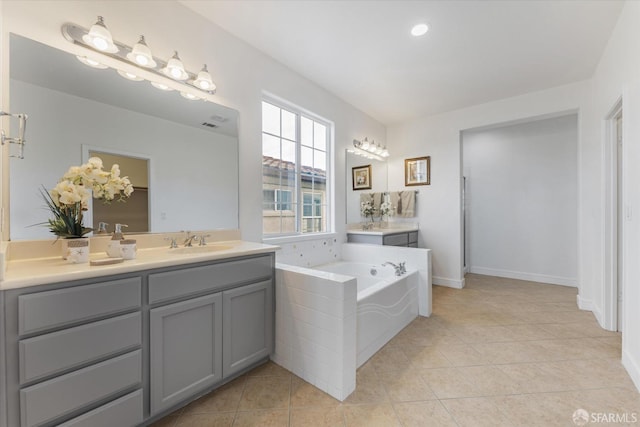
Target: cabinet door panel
(248, 325)
(186, 349)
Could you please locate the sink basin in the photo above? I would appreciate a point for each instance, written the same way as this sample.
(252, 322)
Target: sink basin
(200, 249)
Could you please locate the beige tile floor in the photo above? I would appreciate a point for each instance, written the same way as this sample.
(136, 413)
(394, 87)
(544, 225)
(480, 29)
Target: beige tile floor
(500, 352)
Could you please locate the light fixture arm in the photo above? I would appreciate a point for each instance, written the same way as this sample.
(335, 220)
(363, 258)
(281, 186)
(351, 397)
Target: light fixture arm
(74, 34)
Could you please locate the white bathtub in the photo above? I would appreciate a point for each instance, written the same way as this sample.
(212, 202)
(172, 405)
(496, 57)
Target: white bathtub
(386, 303)
(331, 318)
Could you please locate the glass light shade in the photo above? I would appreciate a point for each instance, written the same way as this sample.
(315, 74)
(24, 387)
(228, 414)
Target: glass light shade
(91, 62)
(204, 81)
(372, 147)
(365, 144)
(141, 54)
(161, 86)
(385, 152)
(99, 37)
(175, 69)
(189, 96)
(130, 76)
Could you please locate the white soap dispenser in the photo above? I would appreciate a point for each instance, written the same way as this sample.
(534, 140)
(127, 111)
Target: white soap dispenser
(113, 248)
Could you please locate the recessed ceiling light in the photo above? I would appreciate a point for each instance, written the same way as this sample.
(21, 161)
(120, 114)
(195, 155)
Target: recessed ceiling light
(419, 30)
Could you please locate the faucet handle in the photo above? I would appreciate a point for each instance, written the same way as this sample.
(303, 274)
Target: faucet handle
(201, 239)
(174, 242)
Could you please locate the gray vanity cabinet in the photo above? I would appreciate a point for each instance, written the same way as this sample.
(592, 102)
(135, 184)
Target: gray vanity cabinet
(247, 326)
(186, 349)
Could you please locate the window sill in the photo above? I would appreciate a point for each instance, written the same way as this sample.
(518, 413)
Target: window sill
(298, 238)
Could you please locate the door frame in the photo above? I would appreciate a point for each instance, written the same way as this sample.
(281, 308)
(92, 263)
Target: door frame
(609, 318)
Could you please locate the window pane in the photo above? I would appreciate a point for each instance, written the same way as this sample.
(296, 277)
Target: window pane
(306, 157)
(320, 136)
(288, 125)
(270, 146)
(270, 118)
(320, 160)
(289, 151)
(306, 132)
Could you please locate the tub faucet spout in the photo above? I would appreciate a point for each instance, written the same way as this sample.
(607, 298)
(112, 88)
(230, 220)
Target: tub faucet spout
(400, 270)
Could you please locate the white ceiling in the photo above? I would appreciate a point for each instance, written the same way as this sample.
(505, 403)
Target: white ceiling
(475, 51)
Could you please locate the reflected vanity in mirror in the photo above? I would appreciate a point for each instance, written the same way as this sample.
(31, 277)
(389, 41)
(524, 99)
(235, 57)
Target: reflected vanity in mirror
(190, 148)
(378, 183)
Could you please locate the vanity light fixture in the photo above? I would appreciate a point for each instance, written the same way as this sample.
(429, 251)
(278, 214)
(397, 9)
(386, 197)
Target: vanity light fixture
(141, 54)
(204, 80)
(91, 62)
(167, 76)
(175, 69)
(100, 38)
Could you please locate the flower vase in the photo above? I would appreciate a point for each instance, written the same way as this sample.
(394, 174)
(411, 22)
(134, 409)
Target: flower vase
(75, 250)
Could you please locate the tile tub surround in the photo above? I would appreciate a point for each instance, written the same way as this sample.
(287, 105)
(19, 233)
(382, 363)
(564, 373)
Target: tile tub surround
(500, 352)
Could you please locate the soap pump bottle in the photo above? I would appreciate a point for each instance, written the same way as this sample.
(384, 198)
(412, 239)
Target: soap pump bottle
(102, 228)
(113, 248)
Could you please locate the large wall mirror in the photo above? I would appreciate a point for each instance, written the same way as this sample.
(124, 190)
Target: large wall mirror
(190, 147)
(378, 179)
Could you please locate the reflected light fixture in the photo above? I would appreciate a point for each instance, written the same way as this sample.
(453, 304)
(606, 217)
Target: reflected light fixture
(419, 30)
(141, 54)
(175, 69)
(130, 76)
(189, 96)
(372, 150)
(204, 81)
(91, 62)
(161, 86)
(100, 38)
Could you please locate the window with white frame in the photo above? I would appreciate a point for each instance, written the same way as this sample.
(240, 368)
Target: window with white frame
(295, 178)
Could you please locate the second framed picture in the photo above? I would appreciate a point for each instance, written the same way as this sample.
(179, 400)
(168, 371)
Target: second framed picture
(361, 176)
(417, 171)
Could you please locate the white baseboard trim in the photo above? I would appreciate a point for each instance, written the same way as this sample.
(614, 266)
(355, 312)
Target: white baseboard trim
(632, 367)
(532, 277)
(584, 304)
(449, 283)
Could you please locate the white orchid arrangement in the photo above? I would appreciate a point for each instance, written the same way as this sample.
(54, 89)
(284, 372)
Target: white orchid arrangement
(385, 209)
(367, 209)
(70, 197)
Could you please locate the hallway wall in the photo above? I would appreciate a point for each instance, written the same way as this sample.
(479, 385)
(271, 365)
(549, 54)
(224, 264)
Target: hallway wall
(521, 200)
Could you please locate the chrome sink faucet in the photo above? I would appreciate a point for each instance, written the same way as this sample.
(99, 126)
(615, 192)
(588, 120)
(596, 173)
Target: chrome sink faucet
(188, 241)
(400, 267)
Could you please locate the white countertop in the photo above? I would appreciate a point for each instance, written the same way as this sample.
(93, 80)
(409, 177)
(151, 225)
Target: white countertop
(382, 231)
(38, 271)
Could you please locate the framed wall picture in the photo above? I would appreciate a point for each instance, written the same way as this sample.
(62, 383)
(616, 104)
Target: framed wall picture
(361, 177)
(417, 171)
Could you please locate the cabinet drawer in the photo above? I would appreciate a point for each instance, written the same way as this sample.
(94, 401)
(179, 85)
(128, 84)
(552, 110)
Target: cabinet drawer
(396, 239)
(50, 353)
(44, 310)
(123, 412)
(174, 284)
(46, 401)
(413, 237)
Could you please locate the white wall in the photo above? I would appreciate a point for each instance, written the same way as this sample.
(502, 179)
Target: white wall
(240, 72)
(439, 204)
(521, 200)
(617, 75)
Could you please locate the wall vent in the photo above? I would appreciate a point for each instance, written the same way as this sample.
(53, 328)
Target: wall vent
(211, 125)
